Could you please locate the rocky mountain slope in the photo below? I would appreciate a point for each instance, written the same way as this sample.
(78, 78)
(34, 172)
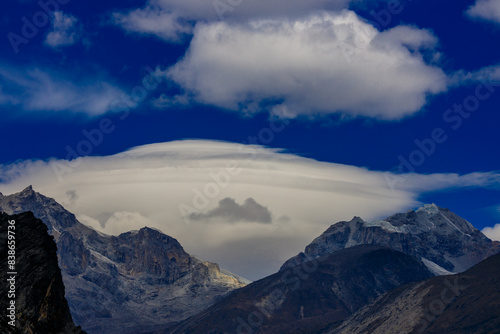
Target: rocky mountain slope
(132, 283)
(40, 306)
(304, 298)
(461, 304)
(445, 242)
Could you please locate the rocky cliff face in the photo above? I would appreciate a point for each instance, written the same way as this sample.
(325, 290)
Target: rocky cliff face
(464, 303)
(445, 242)
(304, 298)
(39, 291)
(136, 282)
(151, 253)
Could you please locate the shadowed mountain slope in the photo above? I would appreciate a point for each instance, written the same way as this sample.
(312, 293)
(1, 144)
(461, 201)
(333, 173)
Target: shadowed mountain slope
(40, 306)
(461, 304)
(305, 297)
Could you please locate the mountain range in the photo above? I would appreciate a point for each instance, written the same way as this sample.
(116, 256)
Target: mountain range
(131, 283)
(345, 273)
(385, 276)
(304, 298)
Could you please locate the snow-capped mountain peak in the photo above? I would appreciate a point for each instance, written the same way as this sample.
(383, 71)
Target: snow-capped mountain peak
(430, 209)
(447, 242)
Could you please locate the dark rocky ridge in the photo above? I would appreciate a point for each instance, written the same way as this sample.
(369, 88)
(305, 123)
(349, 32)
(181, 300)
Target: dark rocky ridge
(461, 304)
(40, 304)
(304, 298)
(149, 252)
(136, 282)
(444, 241)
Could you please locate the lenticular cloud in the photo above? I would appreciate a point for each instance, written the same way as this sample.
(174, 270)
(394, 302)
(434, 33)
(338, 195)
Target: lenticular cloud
(222, 199)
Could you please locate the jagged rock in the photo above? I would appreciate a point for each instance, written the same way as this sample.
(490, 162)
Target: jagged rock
(136, 282)
(39, 291)
(444, 241)
(150, 252)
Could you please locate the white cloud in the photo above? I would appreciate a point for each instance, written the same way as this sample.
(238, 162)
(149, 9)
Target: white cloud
(159, 22)
(324, 63)
(41, 90)
(158, 185)
(171, 19)
(89, 221)
(489, 74)
(492, 232)
(65, 30)
(485, 9)
(124, 221)
(300, 55)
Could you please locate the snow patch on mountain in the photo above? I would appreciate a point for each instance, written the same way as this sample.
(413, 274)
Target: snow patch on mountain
(429, 209)
(435, 269)
(387, 226)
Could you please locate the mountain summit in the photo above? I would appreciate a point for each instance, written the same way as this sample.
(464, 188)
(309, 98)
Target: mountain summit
(131, 283)
(445, 242)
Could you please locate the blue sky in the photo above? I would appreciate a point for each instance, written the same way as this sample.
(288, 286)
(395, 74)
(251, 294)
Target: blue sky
(356, 83)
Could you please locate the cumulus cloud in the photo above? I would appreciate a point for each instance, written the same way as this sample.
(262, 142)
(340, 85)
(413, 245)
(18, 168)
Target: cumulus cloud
(172, 19)
(161, 185)
(65, 30)
(232, 212)
(291, 57)
(492, 232)
(323, 63)
(486, 10)
(41, 90)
